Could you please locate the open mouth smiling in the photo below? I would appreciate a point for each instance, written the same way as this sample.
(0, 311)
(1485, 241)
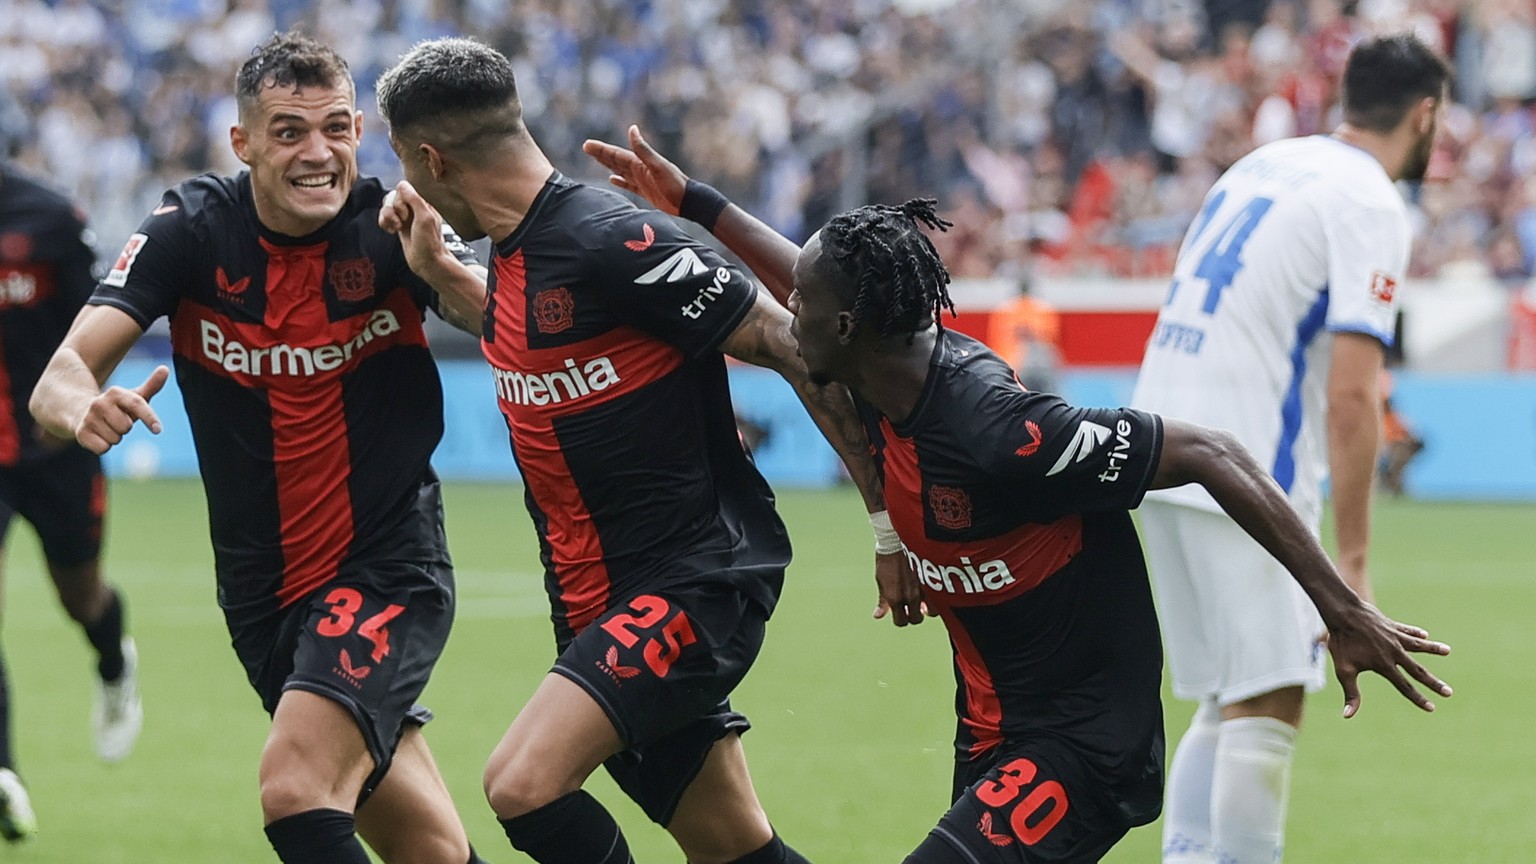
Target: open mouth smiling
(315, 181)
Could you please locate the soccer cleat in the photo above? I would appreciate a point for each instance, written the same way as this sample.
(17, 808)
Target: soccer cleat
(17, 822)
(118, 714)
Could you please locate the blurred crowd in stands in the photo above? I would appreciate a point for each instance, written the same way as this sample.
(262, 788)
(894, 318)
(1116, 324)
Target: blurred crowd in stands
(1062, 137)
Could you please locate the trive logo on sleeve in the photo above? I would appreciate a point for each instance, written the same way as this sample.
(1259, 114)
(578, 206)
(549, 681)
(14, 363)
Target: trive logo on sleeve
(1118, 453)
(962, 578)
(1086, 439)
(708, 294)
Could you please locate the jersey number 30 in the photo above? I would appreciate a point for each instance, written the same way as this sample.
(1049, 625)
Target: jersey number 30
(1042, 808)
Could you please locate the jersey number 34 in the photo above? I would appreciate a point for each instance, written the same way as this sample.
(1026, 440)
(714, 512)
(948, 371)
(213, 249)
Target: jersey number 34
(1224, 257)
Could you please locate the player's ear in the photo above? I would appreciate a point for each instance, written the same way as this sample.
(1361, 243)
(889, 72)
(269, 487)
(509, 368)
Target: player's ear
(1424, 118)
(846, 327)
(434, 159)
(357, 125)
(240, 142)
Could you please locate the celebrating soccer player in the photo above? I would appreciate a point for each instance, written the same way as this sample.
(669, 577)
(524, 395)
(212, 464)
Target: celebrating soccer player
(315, 405)
(45, 277)
(1283, 296)
(1013, 508)
(605, 327)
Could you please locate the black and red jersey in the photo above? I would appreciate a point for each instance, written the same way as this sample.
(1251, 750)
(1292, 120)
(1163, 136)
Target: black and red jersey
(602, 328)
(1012, 507)
(45, 277)
(314, 401)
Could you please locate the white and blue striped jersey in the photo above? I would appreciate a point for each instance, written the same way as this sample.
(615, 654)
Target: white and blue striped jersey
(1300, 239)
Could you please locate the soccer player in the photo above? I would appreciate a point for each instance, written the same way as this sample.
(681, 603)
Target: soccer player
(296, 325)
(1012, 508)
(1282, 301)
(45, 277)
(604, 327)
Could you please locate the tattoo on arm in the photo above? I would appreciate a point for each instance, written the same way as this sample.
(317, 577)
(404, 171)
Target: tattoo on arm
(831, 407)
(763, 339)
(452, 317)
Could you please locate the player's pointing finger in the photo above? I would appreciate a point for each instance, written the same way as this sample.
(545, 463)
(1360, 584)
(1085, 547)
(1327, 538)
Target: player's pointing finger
(606, 154)
(138, 409)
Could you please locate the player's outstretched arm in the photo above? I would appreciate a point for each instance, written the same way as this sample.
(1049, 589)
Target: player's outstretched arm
(68, 400)
(763, 339)
(641, 170)
(460, 285)
(1361, 638)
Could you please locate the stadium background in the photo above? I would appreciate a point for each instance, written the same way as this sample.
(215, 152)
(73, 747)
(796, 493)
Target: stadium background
(1071, 142)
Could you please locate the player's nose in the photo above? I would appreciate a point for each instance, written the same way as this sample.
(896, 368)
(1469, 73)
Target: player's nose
(313, 148)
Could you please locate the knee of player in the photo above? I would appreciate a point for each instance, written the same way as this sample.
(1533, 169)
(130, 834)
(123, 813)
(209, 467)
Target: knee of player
(292, 783)
(514, 786)
(285, 793)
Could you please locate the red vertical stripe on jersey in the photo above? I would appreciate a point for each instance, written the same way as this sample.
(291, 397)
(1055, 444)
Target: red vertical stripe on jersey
(310, 450)
(983, 711)
(575, 547)
(903, 484)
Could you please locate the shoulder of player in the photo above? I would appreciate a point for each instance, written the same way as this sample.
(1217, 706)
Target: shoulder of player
(195, 203)
(1363, 197)
(601, 221)
(367, 194)
(976, 390)
(43, 205)
(363, 210)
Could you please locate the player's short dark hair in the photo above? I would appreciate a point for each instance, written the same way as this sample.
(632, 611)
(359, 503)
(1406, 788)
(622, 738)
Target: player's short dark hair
(1388, 75)
(893, 277)
(288, 60)
(462, 90)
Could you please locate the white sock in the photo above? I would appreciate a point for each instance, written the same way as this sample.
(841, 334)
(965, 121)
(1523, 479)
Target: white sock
(1187, 800)
(1249, 789)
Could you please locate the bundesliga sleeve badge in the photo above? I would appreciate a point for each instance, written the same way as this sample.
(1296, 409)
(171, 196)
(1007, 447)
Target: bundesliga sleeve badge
(117, 277)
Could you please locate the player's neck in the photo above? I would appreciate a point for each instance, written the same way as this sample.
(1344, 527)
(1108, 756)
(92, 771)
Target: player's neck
(890, 375)
(1383, 148)
(502, 193)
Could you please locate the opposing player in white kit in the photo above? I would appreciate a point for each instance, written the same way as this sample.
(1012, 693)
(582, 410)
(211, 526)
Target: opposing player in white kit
(1281, 302)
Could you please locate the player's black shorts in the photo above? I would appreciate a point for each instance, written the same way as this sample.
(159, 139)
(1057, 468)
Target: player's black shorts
(1028, 801)
(662, 666)
(64, 496)
(368, 640)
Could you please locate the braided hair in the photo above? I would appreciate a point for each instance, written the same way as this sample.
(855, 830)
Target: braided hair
(899, 279)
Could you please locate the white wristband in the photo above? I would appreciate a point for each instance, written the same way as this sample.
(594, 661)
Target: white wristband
(886, 540)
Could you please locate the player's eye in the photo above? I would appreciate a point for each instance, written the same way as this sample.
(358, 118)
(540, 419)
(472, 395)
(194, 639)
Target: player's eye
(339, 128)
(287, 133)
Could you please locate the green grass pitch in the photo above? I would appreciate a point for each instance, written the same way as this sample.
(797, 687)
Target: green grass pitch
(853, 718)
